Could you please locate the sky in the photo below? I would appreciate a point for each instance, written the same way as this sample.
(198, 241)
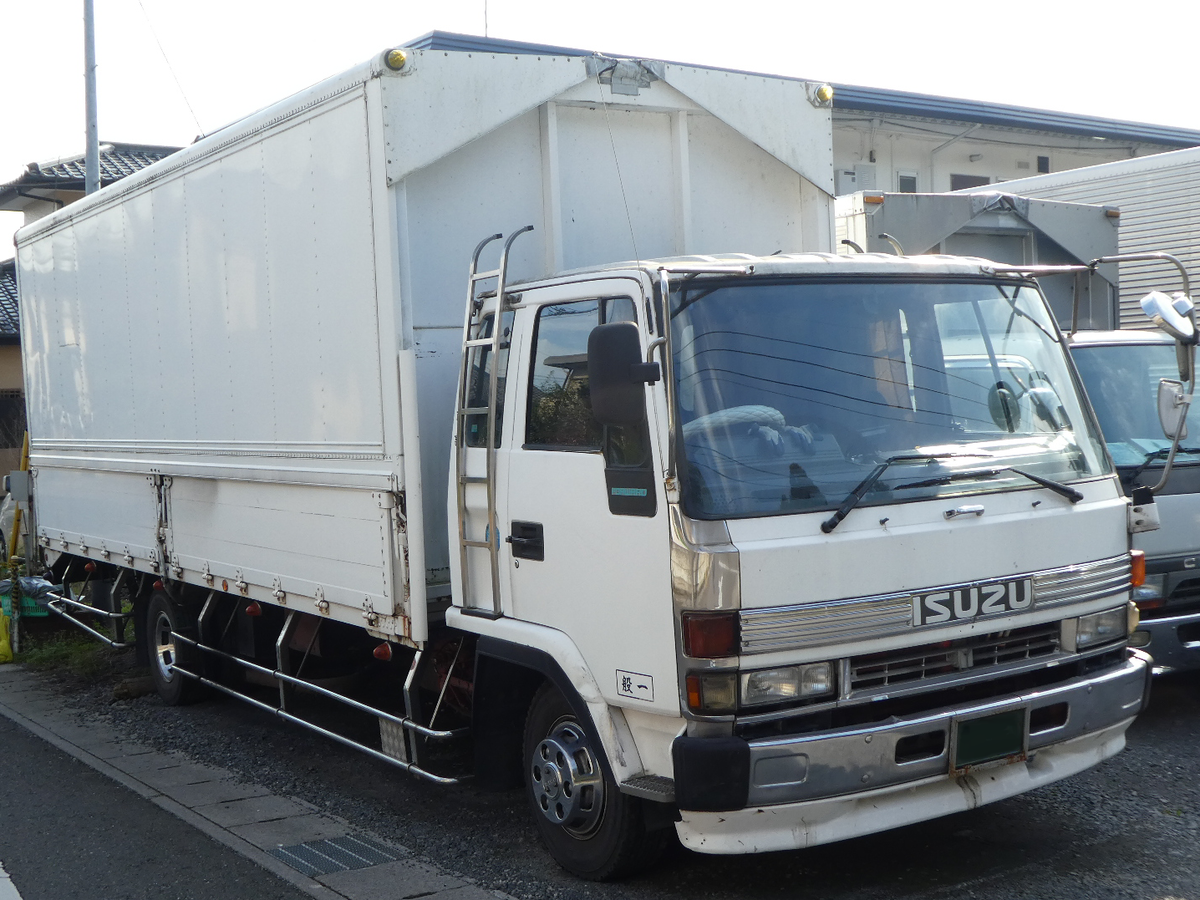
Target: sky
(169, 70)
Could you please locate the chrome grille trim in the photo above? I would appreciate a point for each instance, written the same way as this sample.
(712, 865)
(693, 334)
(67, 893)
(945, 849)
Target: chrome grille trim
(1077, 584)
(881, 671)
(838, 621)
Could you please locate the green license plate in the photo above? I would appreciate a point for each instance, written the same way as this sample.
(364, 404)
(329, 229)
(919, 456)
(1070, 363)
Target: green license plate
(990, 738)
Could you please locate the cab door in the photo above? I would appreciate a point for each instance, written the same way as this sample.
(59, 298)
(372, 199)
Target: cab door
(587, 548)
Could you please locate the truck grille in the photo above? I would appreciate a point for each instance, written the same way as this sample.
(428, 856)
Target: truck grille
(881, 670)
(860, 618)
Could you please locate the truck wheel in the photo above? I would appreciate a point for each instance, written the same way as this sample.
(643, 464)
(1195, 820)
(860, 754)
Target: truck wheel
(590, 828)
(164, 616)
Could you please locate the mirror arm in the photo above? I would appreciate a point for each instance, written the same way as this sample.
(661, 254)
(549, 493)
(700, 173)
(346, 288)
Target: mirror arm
(1146, 257)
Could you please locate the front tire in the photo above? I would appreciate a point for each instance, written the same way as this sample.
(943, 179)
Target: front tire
(590, 828)
(165, 618)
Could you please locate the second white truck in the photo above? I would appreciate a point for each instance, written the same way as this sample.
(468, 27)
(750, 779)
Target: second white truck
(763, 548)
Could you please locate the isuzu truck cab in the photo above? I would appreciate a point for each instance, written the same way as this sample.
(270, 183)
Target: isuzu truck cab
(894, 546)
(1121, 371)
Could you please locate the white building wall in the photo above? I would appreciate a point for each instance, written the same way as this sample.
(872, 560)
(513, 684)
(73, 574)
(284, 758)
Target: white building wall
(923, 148)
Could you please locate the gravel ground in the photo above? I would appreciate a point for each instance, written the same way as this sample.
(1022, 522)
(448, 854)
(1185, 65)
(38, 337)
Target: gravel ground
(1129, 828)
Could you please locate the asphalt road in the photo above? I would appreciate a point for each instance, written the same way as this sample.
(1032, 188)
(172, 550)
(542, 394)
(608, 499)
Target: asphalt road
(68, 832)
(1129, 828)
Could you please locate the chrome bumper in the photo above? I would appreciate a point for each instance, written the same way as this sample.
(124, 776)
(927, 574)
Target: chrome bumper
(1171, 652)
(831, 764)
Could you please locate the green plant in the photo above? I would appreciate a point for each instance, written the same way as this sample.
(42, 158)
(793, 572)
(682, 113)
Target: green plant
(75, 654)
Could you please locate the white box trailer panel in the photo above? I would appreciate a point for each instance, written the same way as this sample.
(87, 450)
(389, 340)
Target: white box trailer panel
(1159, 200)
(999, 226)
(245, 328)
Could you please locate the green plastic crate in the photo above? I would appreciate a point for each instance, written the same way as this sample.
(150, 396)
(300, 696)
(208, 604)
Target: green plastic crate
(28, 606)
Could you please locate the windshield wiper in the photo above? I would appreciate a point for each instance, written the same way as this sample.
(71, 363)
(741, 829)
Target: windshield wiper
(855, 496)
(1058, 487)
(1159, 454)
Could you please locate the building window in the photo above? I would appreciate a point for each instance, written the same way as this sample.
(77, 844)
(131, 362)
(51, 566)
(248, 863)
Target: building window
(962, 182)
(1043, 165)
(906, 182)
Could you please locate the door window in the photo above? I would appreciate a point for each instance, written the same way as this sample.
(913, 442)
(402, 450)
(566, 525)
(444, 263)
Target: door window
(559, 406)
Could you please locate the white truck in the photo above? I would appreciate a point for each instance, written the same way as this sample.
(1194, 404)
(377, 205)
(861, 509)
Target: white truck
(769, 549)
(1121, 369)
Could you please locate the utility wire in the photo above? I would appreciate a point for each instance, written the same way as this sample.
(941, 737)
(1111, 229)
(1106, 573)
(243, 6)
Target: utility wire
(170, 68)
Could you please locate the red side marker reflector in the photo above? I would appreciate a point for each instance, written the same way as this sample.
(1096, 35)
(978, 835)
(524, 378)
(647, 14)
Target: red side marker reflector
(253, 609)
(383, 651)
(90, 568)
(158, 585)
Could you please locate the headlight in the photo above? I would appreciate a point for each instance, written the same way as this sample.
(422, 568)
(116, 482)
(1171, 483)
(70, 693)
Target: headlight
(1101, 628)
(786, 683)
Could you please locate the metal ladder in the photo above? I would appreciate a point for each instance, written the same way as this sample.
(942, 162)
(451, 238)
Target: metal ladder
(472, 324)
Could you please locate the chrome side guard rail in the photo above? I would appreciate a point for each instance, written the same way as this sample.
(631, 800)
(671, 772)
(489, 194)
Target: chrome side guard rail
(282, 678)
(58, 604)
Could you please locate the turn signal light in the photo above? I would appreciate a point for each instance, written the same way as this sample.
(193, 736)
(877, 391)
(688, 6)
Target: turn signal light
(1137, 567)
(708, 635)
(383, 652)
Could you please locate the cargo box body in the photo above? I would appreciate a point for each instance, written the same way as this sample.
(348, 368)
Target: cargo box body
(241, 362)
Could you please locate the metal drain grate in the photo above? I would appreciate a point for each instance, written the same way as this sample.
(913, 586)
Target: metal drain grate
(335, 855)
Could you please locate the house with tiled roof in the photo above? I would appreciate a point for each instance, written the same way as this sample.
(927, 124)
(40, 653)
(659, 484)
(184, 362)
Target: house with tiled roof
(46, 186)
(12, 393)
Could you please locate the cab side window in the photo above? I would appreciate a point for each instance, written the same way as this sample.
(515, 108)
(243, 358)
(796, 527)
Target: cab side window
(559, 406)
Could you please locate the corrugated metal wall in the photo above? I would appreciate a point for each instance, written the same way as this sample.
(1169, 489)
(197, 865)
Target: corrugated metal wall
(1159, 199)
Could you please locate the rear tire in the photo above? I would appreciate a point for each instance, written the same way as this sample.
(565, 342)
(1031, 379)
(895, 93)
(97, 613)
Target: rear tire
(590, 828)
(164, 616)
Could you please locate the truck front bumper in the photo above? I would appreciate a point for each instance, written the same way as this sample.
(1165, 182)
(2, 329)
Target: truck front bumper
(1173, 642)
(824, 787)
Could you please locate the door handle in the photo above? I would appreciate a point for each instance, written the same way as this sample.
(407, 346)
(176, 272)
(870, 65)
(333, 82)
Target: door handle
(527, 541)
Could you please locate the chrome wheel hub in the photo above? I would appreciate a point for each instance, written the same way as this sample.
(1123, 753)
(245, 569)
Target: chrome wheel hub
(164, 648)
(568, 785)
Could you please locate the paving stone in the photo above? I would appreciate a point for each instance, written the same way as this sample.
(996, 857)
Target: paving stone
(397, 880)
(289, 831)
(86, 737)
(145, 763)
(210, 792)
(253, 809)
(467, 892)
(116, 749)
(188, 773)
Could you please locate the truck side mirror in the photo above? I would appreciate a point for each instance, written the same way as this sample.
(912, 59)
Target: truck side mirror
(1173, 314)
(616, 374)
(1173, 405)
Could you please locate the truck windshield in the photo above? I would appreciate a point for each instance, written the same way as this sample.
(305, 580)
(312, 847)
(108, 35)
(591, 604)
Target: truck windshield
(790, 392)
(1122, 383)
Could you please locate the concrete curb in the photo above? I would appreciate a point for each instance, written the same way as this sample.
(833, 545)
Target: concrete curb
(219, 806)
